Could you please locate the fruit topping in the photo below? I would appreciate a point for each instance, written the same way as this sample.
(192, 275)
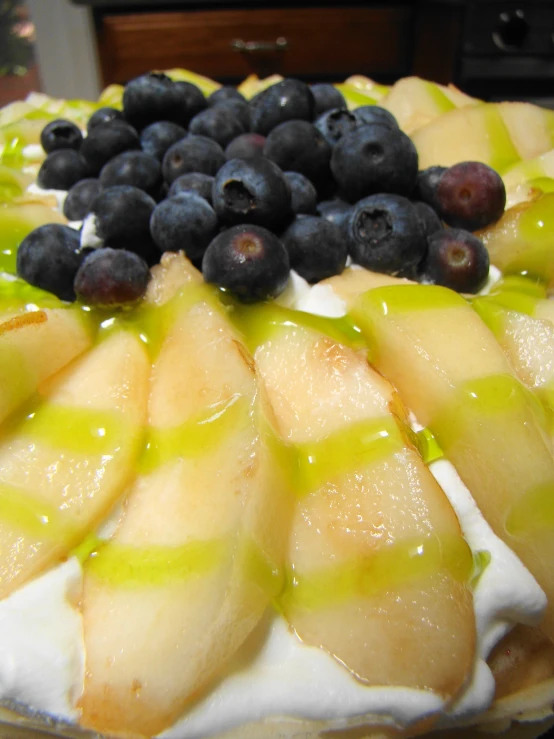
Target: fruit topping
(326, 97)
(298, 146)
(317, 248)
(80, 198)
(192, 154)
(61, 170)
(249, 261)
(456, 259)
(218, 123)
(105, 141)
(156, 138)
(335, 210)
(252, 191)
(246, 146)
(60, 134)
(133, 168)
(336, 123)
(240, 110)
(470, 195)
(150, 98)
(385, 234)
(185, 222)
(426, 185)
(104, 115)
(190, 101)
(287, 100)
(111, 277)
(303, 195)
(375, 114)
(195, 181)
(430, 222)
(49, 258)
(227, 92)
(374, 158)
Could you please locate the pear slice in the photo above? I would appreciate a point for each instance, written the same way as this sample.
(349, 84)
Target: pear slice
(66, 460)
(198, 552)
(453, 375)
(33, 346)
(528, 179)
(374, 541)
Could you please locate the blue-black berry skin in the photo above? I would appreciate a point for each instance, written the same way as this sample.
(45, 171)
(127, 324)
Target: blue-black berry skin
(104, 115)
(149, 98)
(287, 100)
(246, 146)
(80, 198)
(326, 97)
(61, 170)
(302, 193)
(185, 222)
(336, 123)
(106, 141)
(456, 259)
(470, 195)
(193, 181)
(430, 222)
(317, 248)
(427, 181)
(193, 154)
(190, 101)
(227, 92)
(239, 110)
(110, 278)
(372, 159)
(385, 234)
(252, 191)
(298, 146)
(375, 114)
(335, 210)
(133, 168)
(249, 261)
(49, 258)
(156, 138)
(217, 123)
(60, 134)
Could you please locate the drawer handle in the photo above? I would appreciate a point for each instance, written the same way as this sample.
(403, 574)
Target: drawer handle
(252, 47)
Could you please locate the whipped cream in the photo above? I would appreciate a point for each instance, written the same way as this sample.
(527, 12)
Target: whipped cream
(275, 674)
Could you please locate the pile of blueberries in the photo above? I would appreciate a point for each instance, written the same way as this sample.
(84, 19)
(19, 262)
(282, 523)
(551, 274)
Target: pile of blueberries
(249, 190)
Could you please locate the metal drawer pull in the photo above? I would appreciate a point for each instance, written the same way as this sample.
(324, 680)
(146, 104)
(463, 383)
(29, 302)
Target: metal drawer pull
(251, 47)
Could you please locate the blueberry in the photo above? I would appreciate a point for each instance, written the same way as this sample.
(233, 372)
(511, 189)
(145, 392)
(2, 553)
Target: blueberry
(470, 195)
(119, 217)
(375, 114)
(225, 93)
(249, 261)
(239, 110)
(109, 278)
(107, 140)
(193, 154)
(149, 98)
(317, 248)
(335, 210)
(104, 115)
(193, 181)
(252, 191)
(156, 138)
(456, 259)
(426, 185)
(298, 146)
(61, 170)
(133, 168)
(49, 258)
(60, 134)
(372, 159)
(303, 195)
(246, 146)
(80, 198)
(385, 234)
(186, 223)
(326, 97)
(287, 100)
(430, 222)
(190, 101)
(336, 123)
(218, 123)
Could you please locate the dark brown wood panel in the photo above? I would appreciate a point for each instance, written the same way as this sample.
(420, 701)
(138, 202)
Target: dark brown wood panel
(332, 42)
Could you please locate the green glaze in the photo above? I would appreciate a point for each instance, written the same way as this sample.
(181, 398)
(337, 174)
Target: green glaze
(544, 184)
(492, 313)
(351, 448)
(17, 294)
(532, 512)
(503, 153)
(519, 284)
(535, 230)
(33, 516)
(17, 379)
(14, 226)
(259, 569)
(197, 436)
(440, 99)
(393, 299)
(481, 560)
(536, 224)
(387, 569)
(428, 446)
(354, 97)
(11, 184)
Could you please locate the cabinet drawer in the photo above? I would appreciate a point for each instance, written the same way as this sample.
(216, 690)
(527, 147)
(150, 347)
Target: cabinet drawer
(318, 42)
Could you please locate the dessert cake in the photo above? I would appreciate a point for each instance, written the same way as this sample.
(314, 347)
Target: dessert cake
(276, 409)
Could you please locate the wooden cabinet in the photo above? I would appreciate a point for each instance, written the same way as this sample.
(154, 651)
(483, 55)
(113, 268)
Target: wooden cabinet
(228, 44)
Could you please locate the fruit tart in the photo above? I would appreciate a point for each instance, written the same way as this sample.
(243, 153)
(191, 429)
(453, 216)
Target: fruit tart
(276, 412)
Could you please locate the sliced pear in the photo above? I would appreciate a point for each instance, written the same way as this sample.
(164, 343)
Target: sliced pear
(66, 459)
(206, 84)
(198, 551)
(374, 541)
(452, 374)
(252, 85)
(353, 282)
(495, 133)
(16, 221)
(529, 179)
(367, 85)
(414, 102)
(112, 96)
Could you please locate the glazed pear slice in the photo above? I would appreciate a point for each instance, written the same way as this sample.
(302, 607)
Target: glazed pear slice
(528, 179)
(33, 346)
(197, 554)
(453, 375)
(375, 543)
(66, 460)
